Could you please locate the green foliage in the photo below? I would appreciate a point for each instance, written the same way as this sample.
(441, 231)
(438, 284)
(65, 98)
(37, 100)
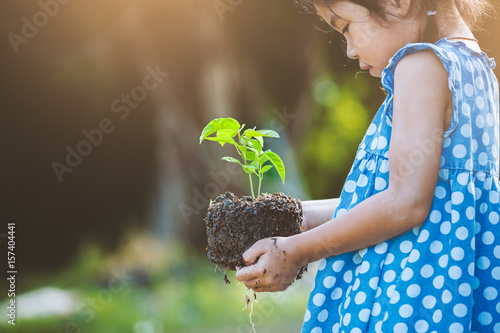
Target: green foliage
(184, 295)
(249, 145)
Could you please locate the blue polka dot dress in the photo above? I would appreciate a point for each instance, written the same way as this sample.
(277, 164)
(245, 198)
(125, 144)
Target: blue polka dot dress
(443, 276)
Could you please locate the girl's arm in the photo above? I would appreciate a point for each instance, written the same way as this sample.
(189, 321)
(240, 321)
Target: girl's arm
(421, 103)
(317, 212)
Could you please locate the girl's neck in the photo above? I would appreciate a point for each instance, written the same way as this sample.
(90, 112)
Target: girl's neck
(451, 24)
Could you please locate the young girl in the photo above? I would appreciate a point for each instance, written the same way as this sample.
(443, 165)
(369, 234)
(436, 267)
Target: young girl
(414, 242)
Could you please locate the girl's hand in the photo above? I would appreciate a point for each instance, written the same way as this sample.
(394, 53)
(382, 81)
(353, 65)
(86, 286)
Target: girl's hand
(272, 265)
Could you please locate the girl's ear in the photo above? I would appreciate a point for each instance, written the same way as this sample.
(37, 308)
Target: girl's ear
(401, 8)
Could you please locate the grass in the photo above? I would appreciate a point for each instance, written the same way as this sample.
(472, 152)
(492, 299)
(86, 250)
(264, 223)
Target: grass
(167, 290)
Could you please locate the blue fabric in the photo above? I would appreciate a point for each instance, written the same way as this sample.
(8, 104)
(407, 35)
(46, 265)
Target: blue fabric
(443, 276)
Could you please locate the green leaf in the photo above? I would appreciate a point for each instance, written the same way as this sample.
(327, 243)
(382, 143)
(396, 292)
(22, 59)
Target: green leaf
(227, 133)
(222, 140)
(266, 168)
(219, 124)
(269, 133)
(277, 162)
(257, 145)
(230, 159)
(249, 169)
(250, 155)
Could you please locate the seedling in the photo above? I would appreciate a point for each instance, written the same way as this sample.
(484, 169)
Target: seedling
(249, 146)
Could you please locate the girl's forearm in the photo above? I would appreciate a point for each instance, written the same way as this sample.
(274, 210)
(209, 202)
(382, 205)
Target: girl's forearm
(378, 218)
(317, 212)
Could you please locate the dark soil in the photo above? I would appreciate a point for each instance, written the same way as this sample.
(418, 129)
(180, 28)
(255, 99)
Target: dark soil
(235, 224)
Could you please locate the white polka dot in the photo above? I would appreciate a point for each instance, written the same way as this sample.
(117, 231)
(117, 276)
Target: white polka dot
(463, 178)
(356, 259)
(438, 282)
(479, 83)
(364, 315)
(462, 233)
(427, 271)
(485, 318)
(329, 281)
(468, 65)
(350, 186)
(435, 216)
(472, 268)
(407, 274)
(440, 192)
(322, 264)
(382, 143)
(443, 261)
(336, 293)
(496, 252)
(338, 265)
(486, 139)
(316, 330)
(483, 159)
(480, 103)
(459, 151)
(378, 327)
(360, 298)
(381, 248)
(488, 238)
(455, 216)
(423, 237)
(456, 328)
(437, 316)
(335, 328)
(470, 212)
(457, 198)
(347, 319)
(494, 197)
(483, 263)
(446, 297)
(429, 301)
(405, 246)
(413, 290)
(362, 181)
(307, 315)
(490, 119)
(445, 228)
(421, 326)
(384, 166)
(376, 309)
(365, 266)
(389, 276)
(400, 328)
(469, 89)
(348, 276)
(474, 145)
(466, 109)
(436, 247)
(319, 299)
(373, 283)
(380, 184)
(455, 272)
(406, 311)
(465, 289)
(495, 273)
(457, 253)
(490, 293)
(374, 144)
(479, 121)
(371, 130)
(465, 130)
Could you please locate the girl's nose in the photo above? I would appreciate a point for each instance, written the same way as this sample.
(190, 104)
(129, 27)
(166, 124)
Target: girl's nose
(351, 51)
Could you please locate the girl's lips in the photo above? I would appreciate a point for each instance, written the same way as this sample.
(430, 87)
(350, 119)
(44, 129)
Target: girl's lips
(366, 67)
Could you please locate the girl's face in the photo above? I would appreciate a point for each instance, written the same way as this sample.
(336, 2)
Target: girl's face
(369, 39)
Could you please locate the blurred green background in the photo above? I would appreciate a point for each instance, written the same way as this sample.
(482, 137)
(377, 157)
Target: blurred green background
(112, 240)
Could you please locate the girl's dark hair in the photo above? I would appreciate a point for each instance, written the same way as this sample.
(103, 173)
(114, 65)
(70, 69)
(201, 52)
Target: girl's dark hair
(472, 11)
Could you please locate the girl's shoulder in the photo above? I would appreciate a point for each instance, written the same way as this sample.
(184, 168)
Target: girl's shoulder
(456, 57)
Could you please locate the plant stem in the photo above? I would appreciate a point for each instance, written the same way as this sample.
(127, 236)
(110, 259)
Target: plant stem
(251, 186)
